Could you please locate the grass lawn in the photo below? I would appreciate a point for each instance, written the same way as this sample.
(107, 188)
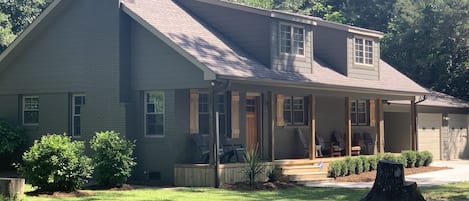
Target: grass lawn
(458, 191)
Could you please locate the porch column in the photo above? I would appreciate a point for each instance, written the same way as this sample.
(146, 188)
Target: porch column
(413, 124)
(380, 125)
(348, 128)
(211, 126)
(312, 115)
(271, 123)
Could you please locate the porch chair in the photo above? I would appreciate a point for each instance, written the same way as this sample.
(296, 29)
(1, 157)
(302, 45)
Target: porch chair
(202, 144)
(320, 145)
(340, 145)
(305, 143)
(369, 143)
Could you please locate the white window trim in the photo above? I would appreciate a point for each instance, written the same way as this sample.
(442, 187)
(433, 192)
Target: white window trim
(364, 52)
(145, 115)
(291, 41)
(24, 110)
(75, 115)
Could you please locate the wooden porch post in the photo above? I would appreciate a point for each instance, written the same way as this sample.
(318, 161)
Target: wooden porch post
(380, 125)
(413, 124)
(348, 128)
(312, 115)
(271, 129)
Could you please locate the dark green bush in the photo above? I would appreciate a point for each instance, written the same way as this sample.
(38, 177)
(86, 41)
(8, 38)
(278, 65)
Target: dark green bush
(344, 168)
(402, 160)
(359, 165)
(389, 156)
(335, 169)
(411, 157)
(421, 158)
(254, 166)
(11, 138)
(428, 158)
(112, 158)
(374, 161)
(366, 163)
(55, 163)
(274, 174)
(351, 164)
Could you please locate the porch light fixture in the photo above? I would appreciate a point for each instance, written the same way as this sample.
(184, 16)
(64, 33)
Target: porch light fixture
(446, 118)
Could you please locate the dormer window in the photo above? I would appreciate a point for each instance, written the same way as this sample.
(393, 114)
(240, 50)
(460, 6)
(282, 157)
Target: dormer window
(363, 51)
(292, 39)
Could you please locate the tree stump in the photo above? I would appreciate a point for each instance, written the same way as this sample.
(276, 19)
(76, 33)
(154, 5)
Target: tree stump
(12, 187)
(390, 184)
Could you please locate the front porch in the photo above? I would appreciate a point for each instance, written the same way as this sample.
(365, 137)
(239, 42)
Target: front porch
(294, 129)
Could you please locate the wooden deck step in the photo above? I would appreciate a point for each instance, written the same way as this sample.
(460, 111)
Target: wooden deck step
(310, 176)
(288, 170)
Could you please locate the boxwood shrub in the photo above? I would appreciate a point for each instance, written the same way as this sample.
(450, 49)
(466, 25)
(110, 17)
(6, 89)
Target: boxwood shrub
(411, 157)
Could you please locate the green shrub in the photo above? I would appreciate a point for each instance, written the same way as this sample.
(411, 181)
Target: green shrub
(389, 156)
(359, 163)
(428, 158)
(411, 157)
(421, 157)
(366, 163)
(274, 174)
(351, 164)
(112, 158)
(344, 168)
(374, 161)
(55, 163)
(335, 169)
(402, 160)
(254, 166)
(11, 138)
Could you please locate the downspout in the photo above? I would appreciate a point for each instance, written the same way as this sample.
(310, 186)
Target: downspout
(217, 86)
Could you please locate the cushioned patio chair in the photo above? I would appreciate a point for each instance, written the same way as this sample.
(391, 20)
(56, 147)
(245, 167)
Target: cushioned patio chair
(339, 145)
(305, 143)
(202, 144)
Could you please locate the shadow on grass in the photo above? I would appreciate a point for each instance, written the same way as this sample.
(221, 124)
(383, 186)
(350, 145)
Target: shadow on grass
(456, 192)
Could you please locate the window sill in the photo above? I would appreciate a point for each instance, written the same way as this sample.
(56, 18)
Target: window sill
(154, 136)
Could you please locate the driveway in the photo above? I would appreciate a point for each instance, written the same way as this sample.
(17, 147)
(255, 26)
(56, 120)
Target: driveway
(458, 173)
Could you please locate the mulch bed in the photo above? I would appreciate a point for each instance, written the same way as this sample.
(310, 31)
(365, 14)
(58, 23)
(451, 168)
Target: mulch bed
(370, 176)
(77, 193)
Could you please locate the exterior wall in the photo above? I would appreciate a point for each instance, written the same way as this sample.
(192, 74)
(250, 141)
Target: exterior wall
(77, 50)
(456, 140)
(396, 132)
(361, 71)
(329, 46)
(156, 66)
(9, 108)
(287, 62)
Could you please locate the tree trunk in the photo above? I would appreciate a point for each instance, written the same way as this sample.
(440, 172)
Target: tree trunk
(390, 184)
(12, 187)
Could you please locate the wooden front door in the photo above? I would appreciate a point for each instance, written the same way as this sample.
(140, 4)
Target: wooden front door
(251, 121)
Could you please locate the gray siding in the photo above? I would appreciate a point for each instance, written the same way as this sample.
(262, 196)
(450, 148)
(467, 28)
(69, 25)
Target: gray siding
(362, 71)
(9, 108)
(77, 50)
(248, 31)
(156, 66)
(329, 46)
(287, 62)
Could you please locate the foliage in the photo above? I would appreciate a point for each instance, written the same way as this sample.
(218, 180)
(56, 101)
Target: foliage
(4, 198)
(274, 174)
(428, 158)
(335, 169)
(6, 34)
(402, 160)
(411, 157)
(254, 166)
(359, 165)
(421, 157)
(366, 163)
(11, 138)
(56, 163)
(112, 158)
(374, 161)
(268, 4)
(389, 156)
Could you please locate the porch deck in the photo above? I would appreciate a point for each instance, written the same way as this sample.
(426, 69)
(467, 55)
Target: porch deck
(230, 173)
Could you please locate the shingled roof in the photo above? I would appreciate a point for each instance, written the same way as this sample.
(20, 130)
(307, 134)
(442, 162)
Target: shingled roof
(226, 60)
(438, 99)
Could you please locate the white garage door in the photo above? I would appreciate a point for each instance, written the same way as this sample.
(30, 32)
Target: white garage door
(429, 126)
(456, 141)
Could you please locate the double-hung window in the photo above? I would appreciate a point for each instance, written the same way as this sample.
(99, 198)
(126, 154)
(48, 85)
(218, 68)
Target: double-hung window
(359, 113)
(294, 110)
(204, 113)
(292, 39)
(78, 100)
(30, 110)
(363, 51)
(154, 113)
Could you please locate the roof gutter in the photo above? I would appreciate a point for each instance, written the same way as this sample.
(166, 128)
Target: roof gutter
(320, 86)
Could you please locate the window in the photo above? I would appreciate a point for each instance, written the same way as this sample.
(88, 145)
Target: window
(363, 51)
(359, 113)
(204, 113)
(291, 39)
(30, 110)
(294, 110)
(78, 100)
(154, 113)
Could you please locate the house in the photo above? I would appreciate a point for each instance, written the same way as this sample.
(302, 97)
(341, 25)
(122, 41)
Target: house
(442, 123)
(162, 72)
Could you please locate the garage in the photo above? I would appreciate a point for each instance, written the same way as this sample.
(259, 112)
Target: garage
(429, 132)
(455, 141)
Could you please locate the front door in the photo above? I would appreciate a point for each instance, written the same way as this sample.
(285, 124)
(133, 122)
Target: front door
(251, 121)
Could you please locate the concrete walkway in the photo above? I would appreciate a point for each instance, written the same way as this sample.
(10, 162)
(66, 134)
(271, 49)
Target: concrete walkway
(458, 173)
